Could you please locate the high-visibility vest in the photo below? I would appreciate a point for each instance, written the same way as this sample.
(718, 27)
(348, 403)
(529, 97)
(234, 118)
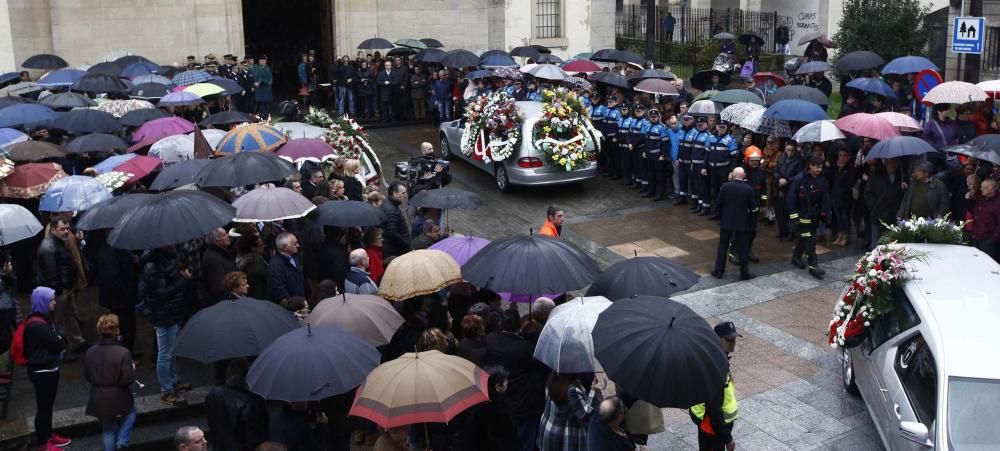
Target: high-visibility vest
(730, 409)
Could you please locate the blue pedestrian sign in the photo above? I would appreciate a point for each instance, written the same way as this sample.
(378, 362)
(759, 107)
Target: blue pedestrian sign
(967, 36)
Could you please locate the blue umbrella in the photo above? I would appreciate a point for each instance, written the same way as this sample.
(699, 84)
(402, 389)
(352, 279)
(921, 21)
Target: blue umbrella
(25, 113)
(908, 65)
(899, 146)
(190, 77)
(10, 136)
(872, 86)
(74, 193)
(113, 162)
(83, 121)
(180, 98)
(61, 77)
(140, 68)
(496, 58)
(796, 110)
(481, 73)
(9, 76)
(813, 67)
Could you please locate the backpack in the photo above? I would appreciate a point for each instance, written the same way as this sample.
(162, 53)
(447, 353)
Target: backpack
(17, 343)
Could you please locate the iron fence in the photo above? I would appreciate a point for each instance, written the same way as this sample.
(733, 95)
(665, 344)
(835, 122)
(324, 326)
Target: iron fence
(692, 25)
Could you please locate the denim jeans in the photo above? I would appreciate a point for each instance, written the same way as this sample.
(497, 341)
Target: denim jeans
(444, 110)
(345, 94)
(116, 431)
(166, 367)
(875, 233)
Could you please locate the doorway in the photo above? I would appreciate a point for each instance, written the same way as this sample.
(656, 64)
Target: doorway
(284, 30)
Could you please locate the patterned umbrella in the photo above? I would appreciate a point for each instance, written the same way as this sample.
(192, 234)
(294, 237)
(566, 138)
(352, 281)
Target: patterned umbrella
(461, 248)
(418, 273)
(30, 180)
(16, 224)
(251, 138)
(736, 112)
(74, 193)
(819, 131)
(161, 128)
(507, 73)
(867, 125)
(903, 122)
(577, 82)
(119, 108)
(420, 387)
(367, 316)
(181, 98)
(307, 149)
(173, 149)
(6, 166)
(190, 77)
(951, 92)
(35, 151)
(271, 204)
(757, 123)
(114, 179)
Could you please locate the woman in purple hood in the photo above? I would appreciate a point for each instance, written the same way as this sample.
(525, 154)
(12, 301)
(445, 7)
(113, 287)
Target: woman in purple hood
(43, 348)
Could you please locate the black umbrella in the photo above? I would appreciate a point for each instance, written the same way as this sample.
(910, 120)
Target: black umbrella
(136, 118)
(96, 142)
(628, 56)
(44, 61)
(431, 42)
(702, 80)
(67, 100)
(652, 276)
(231, 329)
(745, 38)
(459, 58)
(175, 216)
(6, 101)
(99, 83)
(231, 86)
(446, 198)
(859, 60)
(84, 121)
(983, 147)
(611, 78)
(496, 58)
(526, 51)
(226, 117)
(35, 151)
(348, 213)
(548, 59)
(799, 92)
(178, 174)
(148, 91)
(651, 73)
(402, 51)
(603, 55)
(244, 168)
(109, 68)
(375, 43)
(530, 264)
(129, 60)
(107, 214)
(660, 351)
(430, 55)
(542, 48)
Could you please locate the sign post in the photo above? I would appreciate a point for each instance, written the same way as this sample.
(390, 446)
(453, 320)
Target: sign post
(967, 35)
(925, 80)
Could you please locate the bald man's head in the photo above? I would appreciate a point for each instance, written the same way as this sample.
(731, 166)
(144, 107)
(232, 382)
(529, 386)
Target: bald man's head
(739, 174)
(426, 148)
(610, 411)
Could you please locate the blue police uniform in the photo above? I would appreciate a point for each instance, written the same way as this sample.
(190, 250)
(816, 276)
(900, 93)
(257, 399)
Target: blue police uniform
(611, 119)
(597, 113)
(638, 141)
(656, 146)
(699, 181)
(687, 136)
(722, 150)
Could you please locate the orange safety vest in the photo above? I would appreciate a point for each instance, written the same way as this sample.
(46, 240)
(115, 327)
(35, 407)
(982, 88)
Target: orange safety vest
(549, 229)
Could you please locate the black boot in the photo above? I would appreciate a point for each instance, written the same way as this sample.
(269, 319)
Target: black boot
(694, 205)
(797, 261)
(816, 272)
(705, 210)
(754, 258)
(682, 201)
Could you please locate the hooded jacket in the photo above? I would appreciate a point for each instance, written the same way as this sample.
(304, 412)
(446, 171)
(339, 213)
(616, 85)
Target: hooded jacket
(43, 347)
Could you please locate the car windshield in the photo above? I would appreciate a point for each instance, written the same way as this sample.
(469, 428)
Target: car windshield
(972, 419)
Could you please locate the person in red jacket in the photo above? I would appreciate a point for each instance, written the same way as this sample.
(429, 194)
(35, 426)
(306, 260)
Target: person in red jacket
(986, 219)
(553, 222)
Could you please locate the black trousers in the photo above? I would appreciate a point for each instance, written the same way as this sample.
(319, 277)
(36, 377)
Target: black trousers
(625, 161)
(708, 442)
(126, 325)
(717, 175)
(781, 211)
(740, 240)
(659, 179)
(46, 386)
(638, 165)
(683, 176)
(807, 239)
(697, 183)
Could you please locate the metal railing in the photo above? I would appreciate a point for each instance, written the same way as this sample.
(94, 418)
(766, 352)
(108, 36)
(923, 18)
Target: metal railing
(700, 24)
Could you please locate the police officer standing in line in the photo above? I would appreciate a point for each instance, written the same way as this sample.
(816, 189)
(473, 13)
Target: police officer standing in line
(597, 112)
(655, 148)
(808, 203)
(715, 418)
(625, 140)
(611, 118)
(687, 134)
(639, 129)
(723, 156)
(699, 169)
(736, 203)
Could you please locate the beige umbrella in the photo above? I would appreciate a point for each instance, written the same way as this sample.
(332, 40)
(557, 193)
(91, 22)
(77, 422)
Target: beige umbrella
(420, 387)
(955, 92)
(418, 273)
(903, 122)
(367, 316)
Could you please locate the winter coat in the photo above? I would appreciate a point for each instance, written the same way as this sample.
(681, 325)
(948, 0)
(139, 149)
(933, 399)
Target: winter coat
(119, 278)
(418, 85)
(109, 368)
(788, 167)
(54, 266)
(264, 76)
(236, 417)
(215, 264)
(938, 199)
(353, 188)
(365, 82)
(940, 134)
(842, 180)
(283, 279)
(43, 347)
(387, 91)
(166, 290)
(334, 262)
(883, 196)
(255, 267)
(985, 218)
(395, 233)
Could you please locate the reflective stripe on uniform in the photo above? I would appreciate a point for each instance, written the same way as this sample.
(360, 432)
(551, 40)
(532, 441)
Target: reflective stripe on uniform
(793, 216)
(806, 235)
(730, 408)
(805, 221)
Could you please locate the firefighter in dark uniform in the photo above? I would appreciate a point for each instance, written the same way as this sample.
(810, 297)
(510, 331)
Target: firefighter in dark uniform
(755, 178)
(625, 124)
(597, 112)
(611, 118)
(723, 156)
(637, 144)
(808, 204)
(655, 148)
(699, 169)
(687, 135)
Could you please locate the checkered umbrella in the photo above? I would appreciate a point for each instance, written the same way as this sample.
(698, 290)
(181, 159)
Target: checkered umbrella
(577, 82)
(191, 77)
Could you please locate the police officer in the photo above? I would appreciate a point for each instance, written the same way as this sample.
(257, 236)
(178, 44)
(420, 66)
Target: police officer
(655, 148)
(699, 170)
(597, 112)
(243, 76)
(715, 418)
(736, 203)
(611, 118)
(226, 69)
(808, 203)
(722, 151)
(687, 134)
(637, 146)
(625, 125)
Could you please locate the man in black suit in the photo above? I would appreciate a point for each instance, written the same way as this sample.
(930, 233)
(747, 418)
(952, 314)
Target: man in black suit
(736, 202)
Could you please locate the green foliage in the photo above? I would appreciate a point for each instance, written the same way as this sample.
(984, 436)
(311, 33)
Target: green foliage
(890, 28)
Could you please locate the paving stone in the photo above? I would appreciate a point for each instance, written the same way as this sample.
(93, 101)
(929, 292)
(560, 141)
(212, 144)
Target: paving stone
(768, 420)
(670, 252)
(798, 388)
(821, 424)
(783, 403)
(726, 298)
(704, 234)
(761, 441)
(853, 441)
(838, 405)
(668, 440)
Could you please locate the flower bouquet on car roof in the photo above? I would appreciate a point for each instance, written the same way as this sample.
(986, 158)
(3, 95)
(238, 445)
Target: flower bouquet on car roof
(564, 133)
(924, 230)
(869, 294)
(492, 128)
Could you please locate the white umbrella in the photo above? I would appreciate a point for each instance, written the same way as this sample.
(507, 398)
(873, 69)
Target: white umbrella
(297, 130)
(16, 224)
(566, 344)
(757, 123)
(212, 135)
(955, 92)
(271, 204)
(704, 108)
(733, 113)
(173, 149)
(818, 131)
(527, 67)
(990, 86)
(904, 122)
(548, 72)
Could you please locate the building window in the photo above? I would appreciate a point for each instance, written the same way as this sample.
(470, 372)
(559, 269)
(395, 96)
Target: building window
(548, 19)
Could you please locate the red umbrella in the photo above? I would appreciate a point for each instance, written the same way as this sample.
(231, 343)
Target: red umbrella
(139, 166)
(867, 125)
(761, 77)
(30, 180)
(162, 128)
(581, 65)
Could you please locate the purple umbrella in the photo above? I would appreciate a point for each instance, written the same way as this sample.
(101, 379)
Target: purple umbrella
(180, 98)
(461, 248)
(161, 128)
(311, 149)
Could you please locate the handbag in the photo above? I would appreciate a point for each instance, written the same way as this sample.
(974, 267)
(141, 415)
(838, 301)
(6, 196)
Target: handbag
(644, 419)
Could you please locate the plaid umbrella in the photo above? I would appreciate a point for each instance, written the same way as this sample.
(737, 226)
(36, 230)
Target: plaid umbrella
(252, 138)
(577, 82)
(190, 77)
(420, 387)
(30, 180)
